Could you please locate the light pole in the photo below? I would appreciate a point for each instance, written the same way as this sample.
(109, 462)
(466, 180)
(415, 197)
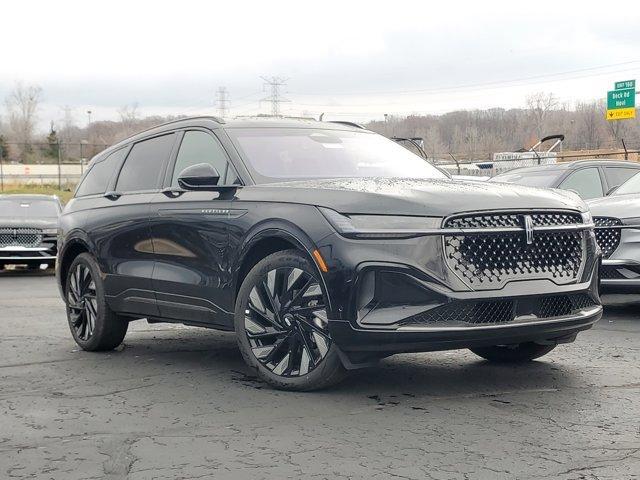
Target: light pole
(88, 117)
(82, 144)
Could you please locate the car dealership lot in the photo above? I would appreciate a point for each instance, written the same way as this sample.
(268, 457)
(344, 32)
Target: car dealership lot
(178, 402)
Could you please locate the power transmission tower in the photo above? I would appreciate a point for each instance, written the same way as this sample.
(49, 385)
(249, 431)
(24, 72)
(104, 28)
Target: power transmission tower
(222, 100)
(273, 84)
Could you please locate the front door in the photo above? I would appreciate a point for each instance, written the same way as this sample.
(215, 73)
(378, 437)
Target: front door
(190, 235)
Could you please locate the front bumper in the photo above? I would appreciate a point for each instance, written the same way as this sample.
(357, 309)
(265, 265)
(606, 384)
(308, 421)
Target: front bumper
(620, 275)
(18, 254)
(422, 306)
(361, 345)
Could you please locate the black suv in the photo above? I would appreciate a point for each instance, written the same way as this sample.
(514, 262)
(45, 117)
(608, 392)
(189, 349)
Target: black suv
(323, 245)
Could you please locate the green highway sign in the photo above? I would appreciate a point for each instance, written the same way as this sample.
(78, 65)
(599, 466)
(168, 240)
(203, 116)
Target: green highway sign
(623, 98)
(626, 84)
(621, 102)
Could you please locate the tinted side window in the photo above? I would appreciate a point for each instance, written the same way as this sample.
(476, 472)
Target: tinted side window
(616, 176)
(99, 174)
(143, 166)
(586, 182)
(200, 147)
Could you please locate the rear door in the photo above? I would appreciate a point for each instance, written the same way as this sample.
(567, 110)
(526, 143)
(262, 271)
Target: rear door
(119, 226)
(190, 230)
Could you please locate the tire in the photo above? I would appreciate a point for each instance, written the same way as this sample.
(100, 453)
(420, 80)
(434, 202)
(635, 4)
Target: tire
(291, 349)
(520, 353)
(94, 326)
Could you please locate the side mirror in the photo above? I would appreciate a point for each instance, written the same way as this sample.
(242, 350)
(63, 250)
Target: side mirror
(202, 176)
(611, 190)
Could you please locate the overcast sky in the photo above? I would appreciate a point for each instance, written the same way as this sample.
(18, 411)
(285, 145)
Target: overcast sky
(350, 59)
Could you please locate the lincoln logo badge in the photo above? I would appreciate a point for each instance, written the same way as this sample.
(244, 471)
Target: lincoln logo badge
(528, 229)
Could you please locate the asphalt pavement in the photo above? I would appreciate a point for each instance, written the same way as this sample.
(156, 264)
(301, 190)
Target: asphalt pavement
(178, 402)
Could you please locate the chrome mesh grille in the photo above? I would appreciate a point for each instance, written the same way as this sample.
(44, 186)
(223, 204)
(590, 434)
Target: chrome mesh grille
(513, 220)
(487, 260)
(20, 237)
(608, 238)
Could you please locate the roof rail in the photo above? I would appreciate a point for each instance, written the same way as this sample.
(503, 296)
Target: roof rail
(348, 124)
(175, 120)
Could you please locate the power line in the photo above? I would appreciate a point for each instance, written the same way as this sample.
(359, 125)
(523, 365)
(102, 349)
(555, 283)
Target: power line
(222, 101)
(484, 84)
(274, 84)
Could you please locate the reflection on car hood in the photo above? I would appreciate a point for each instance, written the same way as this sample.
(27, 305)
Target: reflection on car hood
(17, 222)
(619, 206)
(411, 196)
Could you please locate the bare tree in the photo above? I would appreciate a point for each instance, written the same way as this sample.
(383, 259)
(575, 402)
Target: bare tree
(22, 107)
(539, 105)
(588, 125)
(129, 116)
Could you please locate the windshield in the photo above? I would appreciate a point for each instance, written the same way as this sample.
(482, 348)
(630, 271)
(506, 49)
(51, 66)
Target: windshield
(27, 208)
(630, 186)
(297, 153)
(545, 179)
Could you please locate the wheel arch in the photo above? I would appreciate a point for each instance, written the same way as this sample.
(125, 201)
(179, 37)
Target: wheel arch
(273, 238)
(72, 248)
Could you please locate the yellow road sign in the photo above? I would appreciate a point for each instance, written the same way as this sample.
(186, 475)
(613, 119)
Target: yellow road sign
(621, 113)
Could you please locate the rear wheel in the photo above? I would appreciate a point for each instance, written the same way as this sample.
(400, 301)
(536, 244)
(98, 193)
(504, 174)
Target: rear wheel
(521, 352)
(281, 324)
(93, 324)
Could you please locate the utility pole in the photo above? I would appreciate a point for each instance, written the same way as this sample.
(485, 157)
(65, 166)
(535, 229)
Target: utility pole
(59, 166)
(273, 84)
(222, 101)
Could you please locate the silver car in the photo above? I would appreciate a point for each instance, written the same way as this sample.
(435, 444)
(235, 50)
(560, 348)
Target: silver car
(617, 220)
(29, 230)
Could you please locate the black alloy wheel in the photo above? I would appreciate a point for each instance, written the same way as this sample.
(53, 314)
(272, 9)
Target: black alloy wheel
(285, 322)
(282, 324)
(81, 300)
(94, 326)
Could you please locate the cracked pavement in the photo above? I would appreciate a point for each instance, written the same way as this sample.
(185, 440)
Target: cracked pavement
(178, 402)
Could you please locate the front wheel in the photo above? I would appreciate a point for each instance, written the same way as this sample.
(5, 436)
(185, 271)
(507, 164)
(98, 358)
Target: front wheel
(518, 353)
(93, 324)
(281, 324)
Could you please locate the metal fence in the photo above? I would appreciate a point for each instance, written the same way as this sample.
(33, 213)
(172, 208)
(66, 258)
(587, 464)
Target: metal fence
(49, 152)
(58, 163)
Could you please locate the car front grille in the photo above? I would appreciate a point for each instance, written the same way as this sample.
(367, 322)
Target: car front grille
(607, 235)
(495, 312)
(20, 237)
(487, 260)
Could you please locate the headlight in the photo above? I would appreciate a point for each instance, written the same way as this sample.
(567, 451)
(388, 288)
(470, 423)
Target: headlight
(380, 226)
(587, 217)
(50, 231)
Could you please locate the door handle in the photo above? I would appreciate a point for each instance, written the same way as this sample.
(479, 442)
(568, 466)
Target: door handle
(173, 192)
(112, 195)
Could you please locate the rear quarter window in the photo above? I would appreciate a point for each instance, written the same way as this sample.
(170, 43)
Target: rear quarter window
(97, 178)
(616, 176)
(142, 168)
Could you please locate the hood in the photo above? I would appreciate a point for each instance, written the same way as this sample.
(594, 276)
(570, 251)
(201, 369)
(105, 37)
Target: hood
(18, 222)
(619, 206)
(428, 197)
